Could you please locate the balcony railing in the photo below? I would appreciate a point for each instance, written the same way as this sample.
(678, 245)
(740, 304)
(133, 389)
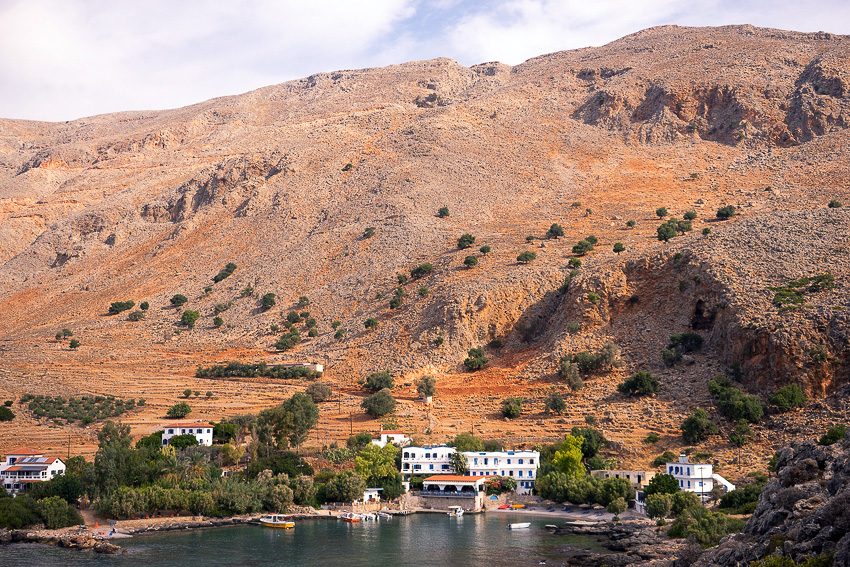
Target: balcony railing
(444, 494)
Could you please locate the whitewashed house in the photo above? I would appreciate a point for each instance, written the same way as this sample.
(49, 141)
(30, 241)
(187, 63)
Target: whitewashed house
(23, 466)
(397, 438)
(639, 479)
(202, 431)
(519, 465)
(696, 477)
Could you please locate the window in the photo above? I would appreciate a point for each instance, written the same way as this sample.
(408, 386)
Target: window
(431, 467)
(406, 455)
(520, 461)
(485, 460)
(475, 461)
(406, 466)
(171, 432)
(689, 471)
(689, 484)
(190, 431)
(530, 474)
(509, 461)
(427, 455)
(520, 474)
(530, 461)
(510, 473)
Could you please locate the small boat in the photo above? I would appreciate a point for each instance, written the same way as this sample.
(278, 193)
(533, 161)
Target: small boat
(455, 511)
(277, 521)
(385, 515)
(519, 526)
(504, 507)
(349, 517)
(517, 506)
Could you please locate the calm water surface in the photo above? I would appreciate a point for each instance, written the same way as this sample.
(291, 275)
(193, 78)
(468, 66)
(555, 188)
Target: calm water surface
(420, 539)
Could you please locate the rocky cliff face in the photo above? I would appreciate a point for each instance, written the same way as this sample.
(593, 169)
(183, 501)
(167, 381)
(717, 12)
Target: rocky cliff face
(802, 513)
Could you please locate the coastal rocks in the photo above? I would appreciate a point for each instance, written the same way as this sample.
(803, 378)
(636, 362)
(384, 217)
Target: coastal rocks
(83, 541)
(633, 542)
(802, 513)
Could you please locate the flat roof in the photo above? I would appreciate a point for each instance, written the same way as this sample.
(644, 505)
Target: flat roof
(457, 478)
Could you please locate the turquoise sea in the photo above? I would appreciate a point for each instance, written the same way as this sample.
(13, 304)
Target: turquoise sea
(419, 539)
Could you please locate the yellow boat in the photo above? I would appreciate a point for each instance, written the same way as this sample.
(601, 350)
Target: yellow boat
(277, 521)
(517, 506)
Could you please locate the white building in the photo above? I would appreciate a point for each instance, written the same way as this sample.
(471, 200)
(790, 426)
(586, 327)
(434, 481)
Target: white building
(397, 438)
(519, 465)
(639, 479)
(202, 431)
(24, 466)
(696, 477)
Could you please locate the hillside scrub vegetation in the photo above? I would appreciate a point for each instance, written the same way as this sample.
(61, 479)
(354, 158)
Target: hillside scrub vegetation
(238, 369)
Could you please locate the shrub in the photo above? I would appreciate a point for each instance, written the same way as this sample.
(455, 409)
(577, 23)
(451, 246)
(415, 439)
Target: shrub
(742, 433)
(421, 270)
(119, 306)
(179, 300)
(574, 263)
(512, 407)
(183, 441)
(698, 427)
(681, 343)
(834, 204)
(318, 392)
(313, 333)
(476, 359)
(396, 301)
(293, 318)
(529, 238)
(189, 318)
(726, 212)
(339, 334)
(427, 386)
(833, 435)
(640, 384)
(735, 403)
(526, 257)
(663, 483)
(422, 291)
(369, 232)
(6, 414)
(651, 438)
(555, 402)
(661, 212)
(631, 224)
(470, 261)
(179, 411)
(705, 527)
(582, 248)
(370, 323)
(335, 325)
(8, 403)
(443, 212)
(485, 249)
(706, 231)
(218, 321)
(136, 316)
(555, 231)
(225, 273)
(592, 440)
(666, 231)
(788, 397)
(144, 306)
(592, 239)
(593, 297)
(288, 340)
(379, 404)
(74, 344)
(247, 292)
(618, 247)
(465, 241)
(378, 381)
(268, 301)
(187, 392)
(690, 215)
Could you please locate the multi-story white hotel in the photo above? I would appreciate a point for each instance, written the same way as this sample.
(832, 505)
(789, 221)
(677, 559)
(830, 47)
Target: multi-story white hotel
(24, 466)
(202, 431)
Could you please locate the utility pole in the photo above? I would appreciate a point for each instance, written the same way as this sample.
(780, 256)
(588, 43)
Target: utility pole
(69, 447)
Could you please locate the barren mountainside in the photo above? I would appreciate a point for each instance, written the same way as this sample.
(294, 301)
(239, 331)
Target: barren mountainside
(284, 181)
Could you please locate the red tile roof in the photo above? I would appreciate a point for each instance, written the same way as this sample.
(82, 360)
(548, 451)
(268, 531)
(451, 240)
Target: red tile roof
(23, 451)
(393, 433)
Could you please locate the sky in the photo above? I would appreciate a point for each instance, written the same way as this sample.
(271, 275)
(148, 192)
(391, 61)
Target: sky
(67, 59)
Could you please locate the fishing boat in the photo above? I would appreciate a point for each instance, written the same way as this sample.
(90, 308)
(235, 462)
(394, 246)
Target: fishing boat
(385, 515)
(455, 511)
(277, 521)
(349, 517)
(519, 526)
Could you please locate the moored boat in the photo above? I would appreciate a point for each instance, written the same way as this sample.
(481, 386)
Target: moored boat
(349, 517)
(277, 521)
(519, 526)
(455, 511)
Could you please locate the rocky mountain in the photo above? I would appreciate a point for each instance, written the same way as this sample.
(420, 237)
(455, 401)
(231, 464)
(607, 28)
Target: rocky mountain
(285, 180)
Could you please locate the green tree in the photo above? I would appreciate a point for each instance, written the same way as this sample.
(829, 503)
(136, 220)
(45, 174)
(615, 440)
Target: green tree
(567, 458)
(179, 410)
(458, 463)
(834, 204)
(742, 433)
(378, 381)
(555, 231)
(189, 318)
(591, 440)
(187, 392)
(218, 321)
(119, 306)
(443, 212)
(370, 323)
(268, 301)
(290, 422)
(144, 306)
(427, 386)
(56, 513)
(726, 212)
(640, 384)
(617, 506)
(833, 435)
(574, 263)
(706, 231)
(618, 247)
(136, 316)
(526, 256)
(684, 226)
(698, 427)
(369, 232)
(690, 215)
(661, 212)
(512, 407)
(662, 484)
(592, 239)
(485, 249)
(319, 392)
(631, 224)
(74, 344)
(465, 241)
(339, 334)
(293, 318)
(555, 402)
(476, 359)
(179, 300)
(347, 486)
(375, 463)
(582, 248)
(659, 505)
(6, 414)
(421, 271)
(470, 261)
(183, 441)
(666, 231)
(379, 404)
(684, 500)
(115, 462)
(303, 301)
(466, 442)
